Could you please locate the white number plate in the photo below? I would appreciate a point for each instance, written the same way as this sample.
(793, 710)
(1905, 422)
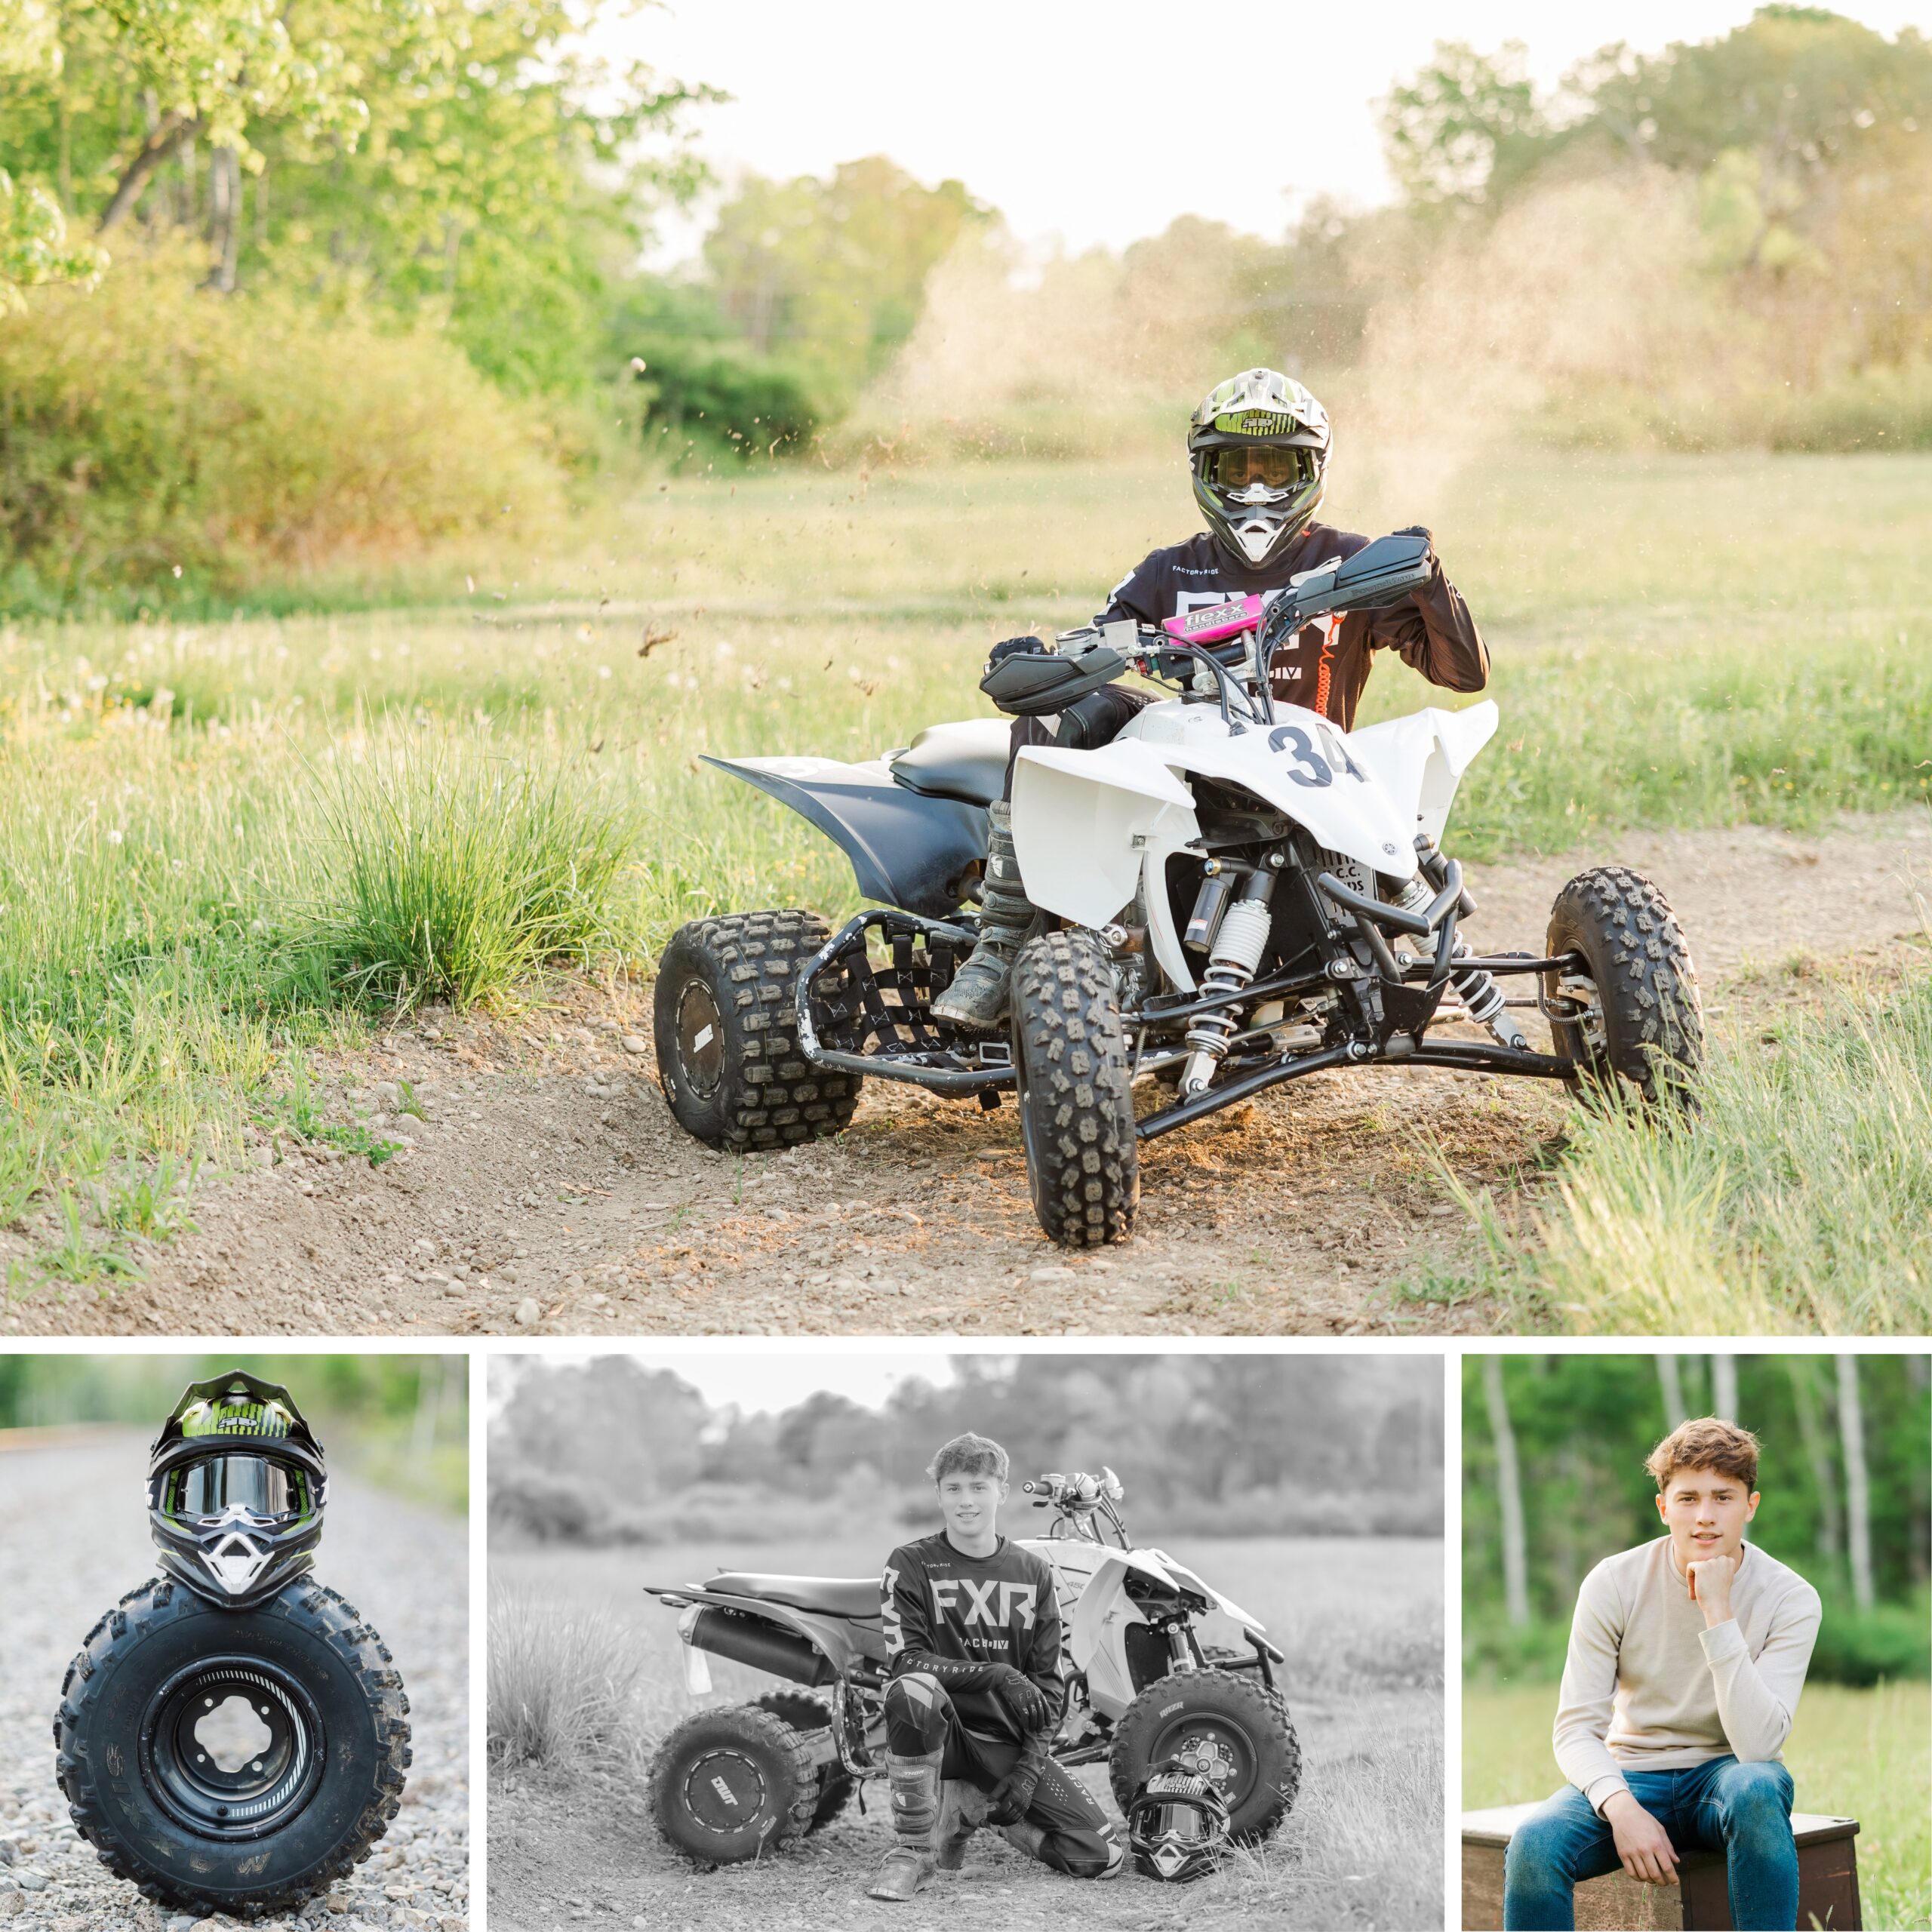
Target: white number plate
(697, 1672)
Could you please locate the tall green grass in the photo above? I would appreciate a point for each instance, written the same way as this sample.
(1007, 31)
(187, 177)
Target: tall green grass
(1795, 1199)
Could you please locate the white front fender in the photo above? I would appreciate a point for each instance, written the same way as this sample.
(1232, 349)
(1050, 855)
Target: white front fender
(1420, 759)
(1081, 822)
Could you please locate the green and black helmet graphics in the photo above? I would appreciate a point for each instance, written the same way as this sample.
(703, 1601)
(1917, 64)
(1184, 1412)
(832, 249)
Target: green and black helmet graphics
(236, 1488)
(1258, 446)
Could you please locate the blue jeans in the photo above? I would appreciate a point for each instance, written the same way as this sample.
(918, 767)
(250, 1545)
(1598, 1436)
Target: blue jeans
(1742, 1810)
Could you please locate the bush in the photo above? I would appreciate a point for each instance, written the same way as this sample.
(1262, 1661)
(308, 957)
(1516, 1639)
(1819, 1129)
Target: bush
(157, 442)
(713, 397)
(1875, 1646)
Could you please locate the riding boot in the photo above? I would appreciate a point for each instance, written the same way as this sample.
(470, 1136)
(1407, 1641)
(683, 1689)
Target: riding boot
(977, 997)
(915, 1783)
(1023, 1837)
(962, 1811)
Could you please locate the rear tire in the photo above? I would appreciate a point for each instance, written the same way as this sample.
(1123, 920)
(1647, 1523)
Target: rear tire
(1076, 1101)
(805, 1714)
(729, 1785)
(139, 1780)
(1647, 1024)
(1224, 1726)
(726, 1024)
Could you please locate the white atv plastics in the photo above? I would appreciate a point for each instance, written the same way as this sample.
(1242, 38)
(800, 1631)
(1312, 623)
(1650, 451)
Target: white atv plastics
(1090, 1580)
(1090, 827)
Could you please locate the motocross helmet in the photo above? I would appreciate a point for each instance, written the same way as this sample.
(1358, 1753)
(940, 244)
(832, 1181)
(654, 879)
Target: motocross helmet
(1258, 446)
(1178, 1824)
(236, 1488)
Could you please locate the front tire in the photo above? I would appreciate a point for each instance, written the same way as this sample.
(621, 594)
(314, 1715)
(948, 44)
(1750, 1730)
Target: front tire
(1076, 1101)
(730, 1785)
(1635, 1011)
(143, 1774)
(724, 1017)
(1221, 1725)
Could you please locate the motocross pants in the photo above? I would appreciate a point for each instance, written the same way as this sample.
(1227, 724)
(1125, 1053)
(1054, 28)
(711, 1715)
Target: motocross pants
(920, 1717)
(1085, 725)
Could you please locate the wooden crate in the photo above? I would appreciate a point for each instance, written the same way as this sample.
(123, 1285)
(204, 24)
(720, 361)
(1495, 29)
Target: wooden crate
(1827, 1881)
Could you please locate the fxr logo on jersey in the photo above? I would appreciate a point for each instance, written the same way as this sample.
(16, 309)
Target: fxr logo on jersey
(978, 1607)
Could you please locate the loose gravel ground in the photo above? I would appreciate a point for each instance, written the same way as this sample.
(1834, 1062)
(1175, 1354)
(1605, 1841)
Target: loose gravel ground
(544, 1188)
(73, 1540)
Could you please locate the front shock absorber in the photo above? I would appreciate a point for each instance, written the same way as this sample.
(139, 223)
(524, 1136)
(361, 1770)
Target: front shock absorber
(1240, 941)
(1482, 999)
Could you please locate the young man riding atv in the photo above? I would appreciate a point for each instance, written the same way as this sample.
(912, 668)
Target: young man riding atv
(1258, 446)
(975, 1696)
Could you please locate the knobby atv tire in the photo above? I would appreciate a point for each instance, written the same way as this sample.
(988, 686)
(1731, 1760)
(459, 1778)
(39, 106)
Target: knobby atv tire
(730, 1784)
(315, 1642)
(729, 984)
(1235, 1711)
(1653, 1024)
(1076, 1101)
(806, 1714)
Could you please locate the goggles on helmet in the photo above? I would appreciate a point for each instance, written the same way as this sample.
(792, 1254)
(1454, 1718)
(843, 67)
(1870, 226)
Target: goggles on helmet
(1276, 466)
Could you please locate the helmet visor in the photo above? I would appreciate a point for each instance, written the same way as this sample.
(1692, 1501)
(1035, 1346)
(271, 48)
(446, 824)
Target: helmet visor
(218, 1484)
(1276, 465)
(1177, 1824)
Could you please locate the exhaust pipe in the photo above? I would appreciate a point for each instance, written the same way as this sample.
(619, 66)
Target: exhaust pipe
(749, 1640)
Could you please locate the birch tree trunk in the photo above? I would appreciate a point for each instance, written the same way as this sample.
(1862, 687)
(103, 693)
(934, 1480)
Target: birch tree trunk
(225, 217)
(1508, 1494)
(1857, 1489)
(1724, 1387)
(1818, 1452)
(1672, 1384)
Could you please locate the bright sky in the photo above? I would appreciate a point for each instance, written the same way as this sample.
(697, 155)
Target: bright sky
(1095, 122)
(757, 1378)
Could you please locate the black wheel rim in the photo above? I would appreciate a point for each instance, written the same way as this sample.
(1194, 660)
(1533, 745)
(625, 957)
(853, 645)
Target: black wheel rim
(1212, 1745)
(725, 1791)
(700, 1039)
(261, 1790)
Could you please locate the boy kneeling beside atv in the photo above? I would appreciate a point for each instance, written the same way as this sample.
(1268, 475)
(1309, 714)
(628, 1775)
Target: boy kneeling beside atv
(970, 1681)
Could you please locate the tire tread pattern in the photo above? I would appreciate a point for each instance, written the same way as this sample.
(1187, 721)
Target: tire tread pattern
(755, 1725)
(1082, 1158)
(771, 1096)
(326, 1615)
(1654, 1021)
(1264, 1712)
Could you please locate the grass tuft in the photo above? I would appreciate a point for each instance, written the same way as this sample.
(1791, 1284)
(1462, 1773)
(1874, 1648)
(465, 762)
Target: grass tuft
(455, 873)
(563, 1686)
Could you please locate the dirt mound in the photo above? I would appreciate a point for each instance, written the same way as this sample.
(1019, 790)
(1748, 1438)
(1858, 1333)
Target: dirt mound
(545, 1189)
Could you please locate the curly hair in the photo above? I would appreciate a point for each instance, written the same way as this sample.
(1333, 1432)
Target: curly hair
(1705, 1443)
(969, 1455)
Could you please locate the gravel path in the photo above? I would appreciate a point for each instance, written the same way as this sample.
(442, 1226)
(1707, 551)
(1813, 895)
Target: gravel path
(546, 1188)
(407, 1570)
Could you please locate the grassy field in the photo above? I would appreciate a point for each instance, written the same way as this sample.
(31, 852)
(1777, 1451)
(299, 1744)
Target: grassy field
(222, 844)
(1361, 1620)
(1866, 1753)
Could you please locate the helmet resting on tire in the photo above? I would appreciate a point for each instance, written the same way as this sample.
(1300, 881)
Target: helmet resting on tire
(1178, 1824)
(1258, 447)
(236, 1489)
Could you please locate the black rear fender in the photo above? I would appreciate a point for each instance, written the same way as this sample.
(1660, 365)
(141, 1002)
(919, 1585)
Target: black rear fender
(907, 848)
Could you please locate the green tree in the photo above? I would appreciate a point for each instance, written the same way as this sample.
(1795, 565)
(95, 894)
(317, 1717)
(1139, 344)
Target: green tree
(1466, 128)
(831, 275)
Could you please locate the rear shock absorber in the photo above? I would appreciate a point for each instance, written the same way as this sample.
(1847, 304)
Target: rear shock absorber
(1240, 941)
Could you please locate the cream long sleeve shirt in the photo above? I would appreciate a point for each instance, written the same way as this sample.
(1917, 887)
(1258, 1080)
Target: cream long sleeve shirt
(1647, 1687)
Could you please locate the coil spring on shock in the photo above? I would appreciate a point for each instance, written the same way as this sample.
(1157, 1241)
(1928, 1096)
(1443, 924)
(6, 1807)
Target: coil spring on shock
(1239, 942)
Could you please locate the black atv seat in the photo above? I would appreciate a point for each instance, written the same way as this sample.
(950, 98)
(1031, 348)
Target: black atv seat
(966, 760)
(831, 1596)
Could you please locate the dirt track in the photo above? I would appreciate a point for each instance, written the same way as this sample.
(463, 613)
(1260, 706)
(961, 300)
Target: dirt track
(548, 1190)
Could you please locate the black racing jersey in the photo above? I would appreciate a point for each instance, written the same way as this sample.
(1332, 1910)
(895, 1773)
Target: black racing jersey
(1325, 665)
(966, 1619)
